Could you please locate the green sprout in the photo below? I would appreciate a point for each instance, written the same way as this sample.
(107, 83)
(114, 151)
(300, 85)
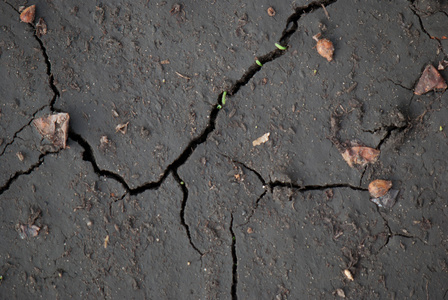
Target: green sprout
(182, 183)
(259, 63)
(224, 98)
(441, 128)
(280, 46)
(219, 106)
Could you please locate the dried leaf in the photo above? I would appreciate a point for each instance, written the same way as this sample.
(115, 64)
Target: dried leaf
(430, 80)
(123, 128)
(54, 128)
(28, 14)
(41, 28)
(360, 155)
(261, 140)
(26, 231)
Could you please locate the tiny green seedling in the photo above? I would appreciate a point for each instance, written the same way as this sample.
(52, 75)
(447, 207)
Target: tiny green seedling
(182, 183)
(280, 46)
(224, 98)
(441, 128)
(219, 106)
(259, 63)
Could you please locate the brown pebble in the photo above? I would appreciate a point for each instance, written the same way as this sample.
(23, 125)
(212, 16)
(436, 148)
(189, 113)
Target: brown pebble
(324, 47)
(271, 11)
(250, 230)
(28, 14)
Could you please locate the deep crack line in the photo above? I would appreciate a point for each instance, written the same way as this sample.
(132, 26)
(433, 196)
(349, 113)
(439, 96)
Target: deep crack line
(16, 176)
(306, 188)
(182, 210)
(290, 28)
(235, 261)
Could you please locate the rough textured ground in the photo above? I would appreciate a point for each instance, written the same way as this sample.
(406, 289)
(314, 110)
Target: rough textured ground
(180, 204)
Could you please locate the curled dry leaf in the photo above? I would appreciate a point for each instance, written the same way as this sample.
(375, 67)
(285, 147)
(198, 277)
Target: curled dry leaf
(41, 28)
(360, 155)
(54, 128)
(261, 140)
(324, 47)
(430, 80)
(28, 14)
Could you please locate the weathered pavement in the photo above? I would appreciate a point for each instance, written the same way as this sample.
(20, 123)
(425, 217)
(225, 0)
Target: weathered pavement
(181, 205)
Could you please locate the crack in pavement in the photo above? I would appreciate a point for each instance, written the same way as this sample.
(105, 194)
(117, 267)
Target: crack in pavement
(18, 174)
(235, 262)
(182, 211)
(193, 144)
(414, 10)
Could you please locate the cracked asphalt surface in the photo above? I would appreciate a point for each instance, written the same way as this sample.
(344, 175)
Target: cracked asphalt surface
(182, 205)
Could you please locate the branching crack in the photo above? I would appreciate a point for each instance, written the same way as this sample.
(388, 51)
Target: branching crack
(235, 262)
(414, 10)
(11, 180)
(182, 210)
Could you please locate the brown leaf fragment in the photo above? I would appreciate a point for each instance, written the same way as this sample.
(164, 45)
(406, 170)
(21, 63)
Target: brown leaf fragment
(123, 128)
(261, 140)
(27, 230)
(54, 128)
(360, 155)
(430, 80)
(41, 28)
(28, 14)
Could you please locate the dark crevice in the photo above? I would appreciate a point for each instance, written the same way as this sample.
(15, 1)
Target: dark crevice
(248, 168)
(235, 262)
(182, 210)
(254, 208)
(414, 10)
(53, 87)
(11, 180)
(389, 130)
(22, 128)
(290, 28)
(89, 157)
(400, 85)
(306, 188)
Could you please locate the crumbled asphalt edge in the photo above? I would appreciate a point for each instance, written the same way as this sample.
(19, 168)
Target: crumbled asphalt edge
(182, 211)
(233, 290)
